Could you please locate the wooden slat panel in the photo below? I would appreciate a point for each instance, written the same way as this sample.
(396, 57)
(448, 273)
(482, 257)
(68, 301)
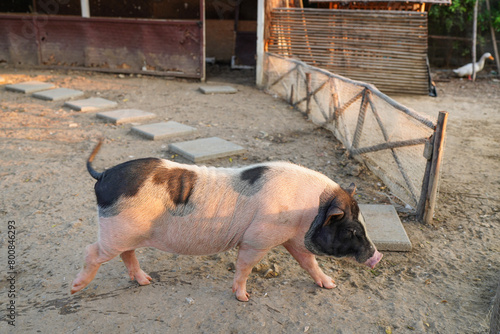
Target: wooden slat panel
(384, 48)
(446, 2)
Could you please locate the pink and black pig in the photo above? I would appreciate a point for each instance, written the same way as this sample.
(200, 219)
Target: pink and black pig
(193, 210)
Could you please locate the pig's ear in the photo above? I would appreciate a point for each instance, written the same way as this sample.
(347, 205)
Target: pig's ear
(334, 213)
(351, 190)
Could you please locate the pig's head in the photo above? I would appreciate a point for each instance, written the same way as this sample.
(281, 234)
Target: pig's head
(338, 232)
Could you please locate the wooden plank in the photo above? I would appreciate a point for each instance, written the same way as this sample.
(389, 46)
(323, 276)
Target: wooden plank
(437, 156)
(388, 145)
(259, 75)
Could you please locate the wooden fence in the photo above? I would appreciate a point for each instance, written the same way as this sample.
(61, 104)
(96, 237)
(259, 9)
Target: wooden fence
(384, 48)
(402, 147)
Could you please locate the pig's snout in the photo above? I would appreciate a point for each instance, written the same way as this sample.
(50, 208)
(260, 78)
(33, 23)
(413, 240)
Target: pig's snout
(376, 257)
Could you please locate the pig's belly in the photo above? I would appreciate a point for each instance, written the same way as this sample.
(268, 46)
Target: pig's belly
(196, 235)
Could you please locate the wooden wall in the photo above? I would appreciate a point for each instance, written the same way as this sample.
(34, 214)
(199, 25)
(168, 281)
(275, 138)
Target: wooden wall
(384, 48)
(220, 38)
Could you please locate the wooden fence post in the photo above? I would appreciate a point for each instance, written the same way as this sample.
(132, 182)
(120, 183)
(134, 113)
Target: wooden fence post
(433, 173)
(308, 93)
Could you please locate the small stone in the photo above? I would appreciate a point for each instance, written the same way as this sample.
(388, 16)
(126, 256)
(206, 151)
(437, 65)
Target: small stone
(276, 269)
(190, 300)
(260, 267)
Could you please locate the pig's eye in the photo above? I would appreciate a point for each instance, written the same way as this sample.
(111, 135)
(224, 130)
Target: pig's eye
(349, 233)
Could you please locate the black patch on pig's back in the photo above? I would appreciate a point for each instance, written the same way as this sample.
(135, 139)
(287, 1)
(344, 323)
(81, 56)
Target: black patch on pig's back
(253, 174)
(123, 180)
(251, 180)
(180, 183)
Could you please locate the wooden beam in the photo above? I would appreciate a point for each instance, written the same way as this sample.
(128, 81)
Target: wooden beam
(494, 41)
(259, 70)
(388, 146)
(437, 157)
(474, 40)
(84, 4)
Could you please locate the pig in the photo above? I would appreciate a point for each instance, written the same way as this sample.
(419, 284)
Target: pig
(199, 210)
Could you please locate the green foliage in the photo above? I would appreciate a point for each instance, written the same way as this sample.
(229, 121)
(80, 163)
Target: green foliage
(457, 18)
(495, 18)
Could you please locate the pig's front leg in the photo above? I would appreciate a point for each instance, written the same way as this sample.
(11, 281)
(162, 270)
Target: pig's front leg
(248, 257)
(308, 262)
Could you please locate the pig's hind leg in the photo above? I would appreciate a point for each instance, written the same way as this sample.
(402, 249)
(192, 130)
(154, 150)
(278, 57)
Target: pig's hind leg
(308, 262)
(248, 257)
(95, 255)
(134, 270)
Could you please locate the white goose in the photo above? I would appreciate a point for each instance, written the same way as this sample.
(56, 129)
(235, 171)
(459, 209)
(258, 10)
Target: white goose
(467, 69)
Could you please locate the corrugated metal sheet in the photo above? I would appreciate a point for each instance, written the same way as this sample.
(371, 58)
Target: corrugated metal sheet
(384, 48)
(165, 47)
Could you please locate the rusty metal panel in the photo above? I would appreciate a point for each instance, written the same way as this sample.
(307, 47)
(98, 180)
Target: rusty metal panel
(18, 42)
(170, 47)
(165, 47)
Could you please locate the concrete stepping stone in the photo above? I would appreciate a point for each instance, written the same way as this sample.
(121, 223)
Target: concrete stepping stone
(385, 228)
(57, 94)
(29, 87)
(91, 104)
(163, 130)
(218, 90)
(205, 149)
(125, 116)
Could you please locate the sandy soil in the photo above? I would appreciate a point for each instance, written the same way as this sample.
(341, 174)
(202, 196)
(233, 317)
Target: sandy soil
(445, 285)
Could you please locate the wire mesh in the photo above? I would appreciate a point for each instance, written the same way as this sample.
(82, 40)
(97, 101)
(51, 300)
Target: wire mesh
(388, 137)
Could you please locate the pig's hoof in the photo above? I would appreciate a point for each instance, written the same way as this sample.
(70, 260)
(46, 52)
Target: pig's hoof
(241, 293)
(76, 286)
(242, 296)
(327, 283)
(141, 277)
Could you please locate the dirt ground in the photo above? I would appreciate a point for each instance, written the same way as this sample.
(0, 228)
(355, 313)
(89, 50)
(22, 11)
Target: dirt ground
(445, 285)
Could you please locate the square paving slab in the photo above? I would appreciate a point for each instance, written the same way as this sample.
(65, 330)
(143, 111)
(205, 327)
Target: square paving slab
(163, 130)
(57, 94)
(93, 103)
(385, 228)
(125, 116)
(205, 149)
(29, 87)
(218, 90)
